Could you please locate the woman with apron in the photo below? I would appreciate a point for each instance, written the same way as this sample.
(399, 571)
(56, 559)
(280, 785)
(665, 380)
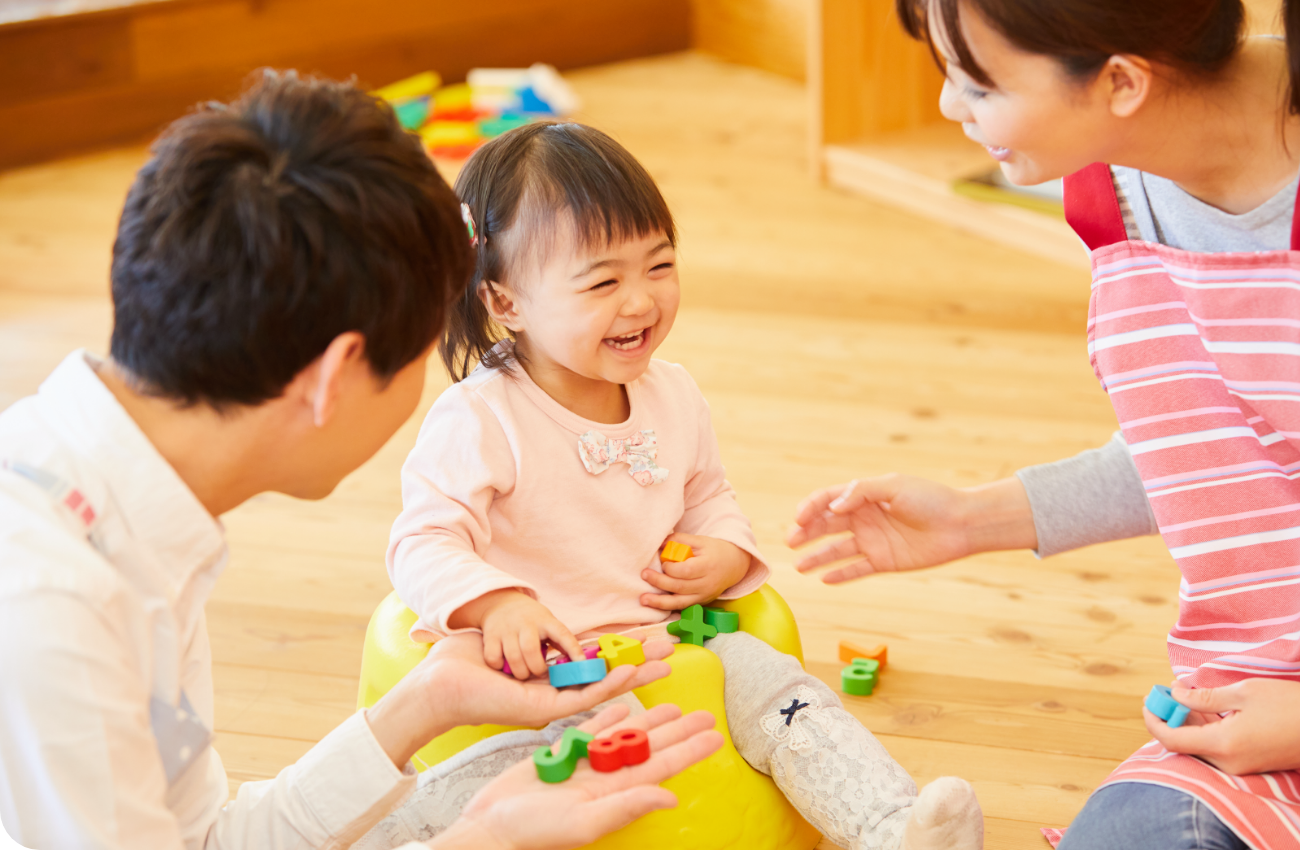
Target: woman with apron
(1180, 146)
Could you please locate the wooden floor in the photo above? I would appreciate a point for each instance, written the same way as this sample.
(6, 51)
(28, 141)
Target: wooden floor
(833, 338)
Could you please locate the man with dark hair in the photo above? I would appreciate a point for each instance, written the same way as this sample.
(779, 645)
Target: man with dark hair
(279, 277)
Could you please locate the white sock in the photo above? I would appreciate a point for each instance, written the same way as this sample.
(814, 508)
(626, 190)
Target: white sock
(946, 816)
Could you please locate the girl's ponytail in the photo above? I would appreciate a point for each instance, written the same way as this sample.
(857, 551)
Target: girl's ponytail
(1291, 20)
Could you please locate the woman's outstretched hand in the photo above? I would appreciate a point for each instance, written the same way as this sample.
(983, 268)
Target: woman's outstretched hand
(517, 811)
(899, 522)
(1259, 734)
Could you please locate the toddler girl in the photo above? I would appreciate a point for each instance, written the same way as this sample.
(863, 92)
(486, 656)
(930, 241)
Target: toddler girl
(545, 481)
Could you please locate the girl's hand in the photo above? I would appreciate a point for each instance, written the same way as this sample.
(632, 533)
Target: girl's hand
(514, 626)
(714, 566)
(898, 522)
(517, 811)
(1259, 735)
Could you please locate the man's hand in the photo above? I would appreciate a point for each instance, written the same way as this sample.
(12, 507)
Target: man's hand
(1260, 733)
(714, 566)
(453, 687)
(517, 811)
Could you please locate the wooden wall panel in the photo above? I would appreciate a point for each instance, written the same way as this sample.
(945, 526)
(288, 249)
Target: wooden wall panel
(767, 34)
(120, 76)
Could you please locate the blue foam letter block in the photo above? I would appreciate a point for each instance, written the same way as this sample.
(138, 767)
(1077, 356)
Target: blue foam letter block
(1161, 703)
(578, 673)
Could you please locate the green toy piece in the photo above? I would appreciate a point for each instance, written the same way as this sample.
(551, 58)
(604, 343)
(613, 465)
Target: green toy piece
(504, 123)
(691, 628)
(725, 622)
(859, 678)
(557, 767)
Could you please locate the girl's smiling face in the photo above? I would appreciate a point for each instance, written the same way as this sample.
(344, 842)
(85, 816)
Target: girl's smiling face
(1036, 121)
(589, 319)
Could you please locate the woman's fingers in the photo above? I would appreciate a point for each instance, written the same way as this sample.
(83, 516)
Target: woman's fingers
(820, 526)
(848, 572)
(836, 550)
(649, 719)
(881, 491)
(1212, 700)
(604, 719)
(818, 503)
(657, 649)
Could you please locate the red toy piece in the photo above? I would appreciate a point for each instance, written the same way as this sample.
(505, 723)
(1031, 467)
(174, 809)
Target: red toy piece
(622, 749)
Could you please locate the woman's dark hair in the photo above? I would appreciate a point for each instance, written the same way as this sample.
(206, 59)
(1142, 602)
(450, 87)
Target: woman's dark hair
(520, 188)
(259, 231)
(1192, 36)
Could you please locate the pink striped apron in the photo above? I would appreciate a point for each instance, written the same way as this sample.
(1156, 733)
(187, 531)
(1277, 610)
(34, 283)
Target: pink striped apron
(1200, 355)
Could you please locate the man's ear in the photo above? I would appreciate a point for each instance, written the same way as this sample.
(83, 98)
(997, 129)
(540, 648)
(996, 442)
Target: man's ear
(501, 303)
(1126, 82)
(325, 378)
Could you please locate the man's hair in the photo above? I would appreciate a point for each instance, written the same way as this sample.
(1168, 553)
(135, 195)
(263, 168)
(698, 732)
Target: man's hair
(259, 231)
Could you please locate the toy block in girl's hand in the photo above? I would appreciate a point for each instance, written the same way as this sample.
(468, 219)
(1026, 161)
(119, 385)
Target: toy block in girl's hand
(626, 748)
(674, 551)
(557, 767)
(859, 678)
(850, 651)
(1162, 704)
(582, 672)
(691, 628)
(725, 622)
(618, 650)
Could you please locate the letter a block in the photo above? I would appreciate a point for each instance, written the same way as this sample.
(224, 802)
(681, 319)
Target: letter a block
(1162, 704)
(859, 678)
(691, 628)
(557, 767)
(618, 650)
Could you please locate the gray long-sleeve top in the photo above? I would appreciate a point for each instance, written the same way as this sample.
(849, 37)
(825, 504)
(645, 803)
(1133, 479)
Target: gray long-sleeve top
(1097, 496)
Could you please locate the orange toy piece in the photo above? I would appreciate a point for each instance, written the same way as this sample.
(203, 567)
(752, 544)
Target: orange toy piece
(674, 551)
(850, 651)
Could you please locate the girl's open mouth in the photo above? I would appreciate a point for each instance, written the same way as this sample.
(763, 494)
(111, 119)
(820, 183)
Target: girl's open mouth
(629, 342)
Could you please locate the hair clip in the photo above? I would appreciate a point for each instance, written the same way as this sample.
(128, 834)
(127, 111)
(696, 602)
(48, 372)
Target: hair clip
(468, 218)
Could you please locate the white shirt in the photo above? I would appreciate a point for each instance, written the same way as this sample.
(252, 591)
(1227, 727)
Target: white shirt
(106, 561)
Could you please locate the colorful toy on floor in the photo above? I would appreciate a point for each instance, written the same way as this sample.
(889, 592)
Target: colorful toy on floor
(622, 749)
(583, 672)
(1162, 704)
(618, 650)
(454, 120)
(691, 628)
(557, 767)
(859, 678)
(725, 622)
(674, 551)
(850, 651)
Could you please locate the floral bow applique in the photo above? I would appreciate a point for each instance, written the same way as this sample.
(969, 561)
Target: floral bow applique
(638, 451)
(788, 723)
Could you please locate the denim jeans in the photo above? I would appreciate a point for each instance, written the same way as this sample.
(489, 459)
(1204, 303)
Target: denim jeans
(1150, 817)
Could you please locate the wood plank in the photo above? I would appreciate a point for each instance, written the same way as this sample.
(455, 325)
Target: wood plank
(81, 55)
(767, 34)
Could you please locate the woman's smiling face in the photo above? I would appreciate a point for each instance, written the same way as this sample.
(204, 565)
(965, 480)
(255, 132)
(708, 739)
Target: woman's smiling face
(1036, 121)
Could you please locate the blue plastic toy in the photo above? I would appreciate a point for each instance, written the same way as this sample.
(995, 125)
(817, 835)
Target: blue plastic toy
(577, 673)
(1162, 704)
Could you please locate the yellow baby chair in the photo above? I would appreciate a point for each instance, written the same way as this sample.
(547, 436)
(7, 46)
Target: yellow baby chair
(722, 801)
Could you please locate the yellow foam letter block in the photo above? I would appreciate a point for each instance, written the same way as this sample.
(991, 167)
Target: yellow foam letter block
(618, 650)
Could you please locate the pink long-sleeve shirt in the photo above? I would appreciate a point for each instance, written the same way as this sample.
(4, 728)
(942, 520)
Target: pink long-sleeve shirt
(495, 495)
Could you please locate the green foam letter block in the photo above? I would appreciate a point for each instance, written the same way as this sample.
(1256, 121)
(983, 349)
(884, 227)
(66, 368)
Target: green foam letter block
(691, 628)
(557, 767)
(725, 622)
(859, 678)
